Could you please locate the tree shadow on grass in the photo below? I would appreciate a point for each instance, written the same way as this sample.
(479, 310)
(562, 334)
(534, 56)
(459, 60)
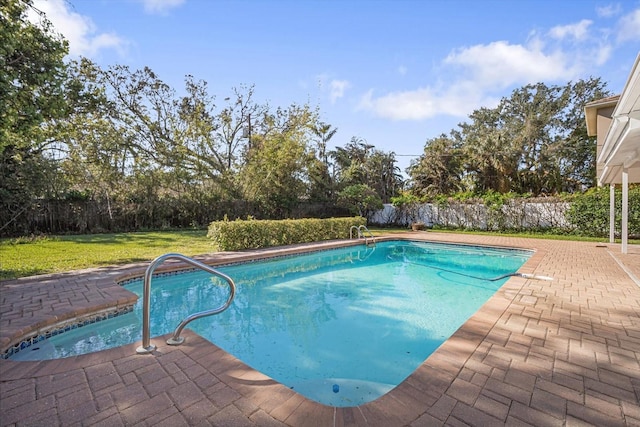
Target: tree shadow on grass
(142, 237)
(15, 273)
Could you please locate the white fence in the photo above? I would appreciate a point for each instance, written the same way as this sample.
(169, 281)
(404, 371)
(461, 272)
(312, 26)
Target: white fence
(517, 214)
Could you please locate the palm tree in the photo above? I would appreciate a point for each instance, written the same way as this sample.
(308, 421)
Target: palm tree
(325, 133)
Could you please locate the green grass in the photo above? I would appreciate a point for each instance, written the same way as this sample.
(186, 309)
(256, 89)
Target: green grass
(55, 254)
(40, 255)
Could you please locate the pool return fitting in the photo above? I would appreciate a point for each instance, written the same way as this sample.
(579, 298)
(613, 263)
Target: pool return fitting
(176, 339)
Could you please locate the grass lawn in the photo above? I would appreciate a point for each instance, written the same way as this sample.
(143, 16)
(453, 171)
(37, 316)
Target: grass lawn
(54, 254)
(26, 257)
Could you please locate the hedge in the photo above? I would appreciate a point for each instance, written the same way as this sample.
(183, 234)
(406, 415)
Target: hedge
(589, 212)
(253, 234)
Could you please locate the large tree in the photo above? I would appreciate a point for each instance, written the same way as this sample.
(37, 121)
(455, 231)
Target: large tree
(32, 76)
(492, 156)
(534, 141)
(276, 172)
(578, 150)
(361, 163)
(153, 130)
(439, 169)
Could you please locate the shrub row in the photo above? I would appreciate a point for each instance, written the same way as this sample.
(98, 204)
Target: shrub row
(253, 234)
(589, 212)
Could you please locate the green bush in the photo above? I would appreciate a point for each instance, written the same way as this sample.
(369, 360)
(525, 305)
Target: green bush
(408, 206)
(589, 212)
(360, 199)
(253, 234)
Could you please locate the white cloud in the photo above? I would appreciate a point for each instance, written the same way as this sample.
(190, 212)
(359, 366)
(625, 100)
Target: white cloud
(456, 100)
(160, 6)
(337, 89)
(79, 30)
(603, 53)
(331, 87)
(408, 105)
(629, 27)
(608, 11)
(500, 64)
(474, 76)
(577, 31)
(478, 76)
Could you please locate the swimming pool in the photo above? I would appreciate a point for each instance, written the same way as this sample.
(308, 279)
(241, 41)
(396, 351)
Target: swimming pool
(342, 326)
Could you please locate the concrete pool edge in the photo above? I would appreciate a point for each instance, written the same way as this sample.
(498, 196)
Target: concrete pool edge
(442, 385)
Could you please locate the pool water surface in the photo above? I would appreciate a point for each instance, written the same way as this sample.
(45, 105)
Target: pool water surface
(340, 326)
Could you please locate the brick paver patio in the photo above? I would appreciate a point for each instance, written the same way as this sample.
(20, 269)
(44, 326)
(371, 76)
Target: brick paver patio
(565, 352)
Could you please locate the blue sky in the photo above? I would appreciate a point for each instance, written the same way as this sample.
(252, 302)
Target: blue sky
(394, 73)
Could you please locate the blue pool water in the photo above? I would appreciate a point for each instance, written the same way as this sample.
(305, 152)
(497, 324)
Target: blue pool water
(342, 326)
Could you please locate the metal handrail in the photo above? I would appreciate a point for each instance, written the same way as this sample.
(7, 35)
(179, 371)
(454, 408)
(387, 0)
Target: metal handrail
(361, 233)
(146, 346)
(361, 230)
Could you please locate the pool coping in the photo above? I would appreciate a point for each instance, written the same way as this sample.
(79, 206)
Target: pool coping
(431, 394)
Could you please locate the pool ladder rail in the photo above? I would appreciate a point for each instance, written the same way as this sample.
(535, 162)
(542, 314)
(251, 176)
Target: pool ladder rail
(361, 233)
(176, 339)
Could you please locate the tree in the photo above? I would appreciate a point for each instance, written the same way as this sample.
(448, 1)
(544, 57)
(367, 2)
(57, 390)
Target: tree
(360, 199)
(530, 120)
(578, 151)
(535, 141)
(321, 184)
(439, 169)
(360, 163)
(183, 138)
(492, 158)
(324, 133)
(95, 158)
(32, 75)
(350, 162)
(383, 175)
(235, 125)
(276, 171)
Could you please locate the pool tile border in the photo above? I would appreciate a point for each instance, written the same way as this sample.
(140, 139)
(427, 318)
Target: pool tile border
(65, 326)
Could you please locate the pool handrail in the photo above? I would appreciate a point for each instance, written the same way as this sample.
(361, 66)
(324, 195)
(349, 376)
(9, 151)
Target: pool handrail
(176, 339)
(361, 233)
(361, 230)
(354, 227)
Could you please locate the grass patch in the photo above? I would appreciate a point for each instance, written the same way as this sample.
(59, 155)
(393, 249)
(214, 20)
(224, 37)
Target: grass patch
(28, 256)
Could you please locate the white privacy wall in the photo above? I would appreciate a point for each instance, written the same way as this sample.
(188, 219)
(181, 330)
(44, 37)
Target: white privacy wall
(514, 215)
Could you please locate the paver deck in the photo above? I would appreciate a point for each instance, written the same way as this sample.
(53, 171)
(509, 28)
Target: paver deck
(541, 353)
